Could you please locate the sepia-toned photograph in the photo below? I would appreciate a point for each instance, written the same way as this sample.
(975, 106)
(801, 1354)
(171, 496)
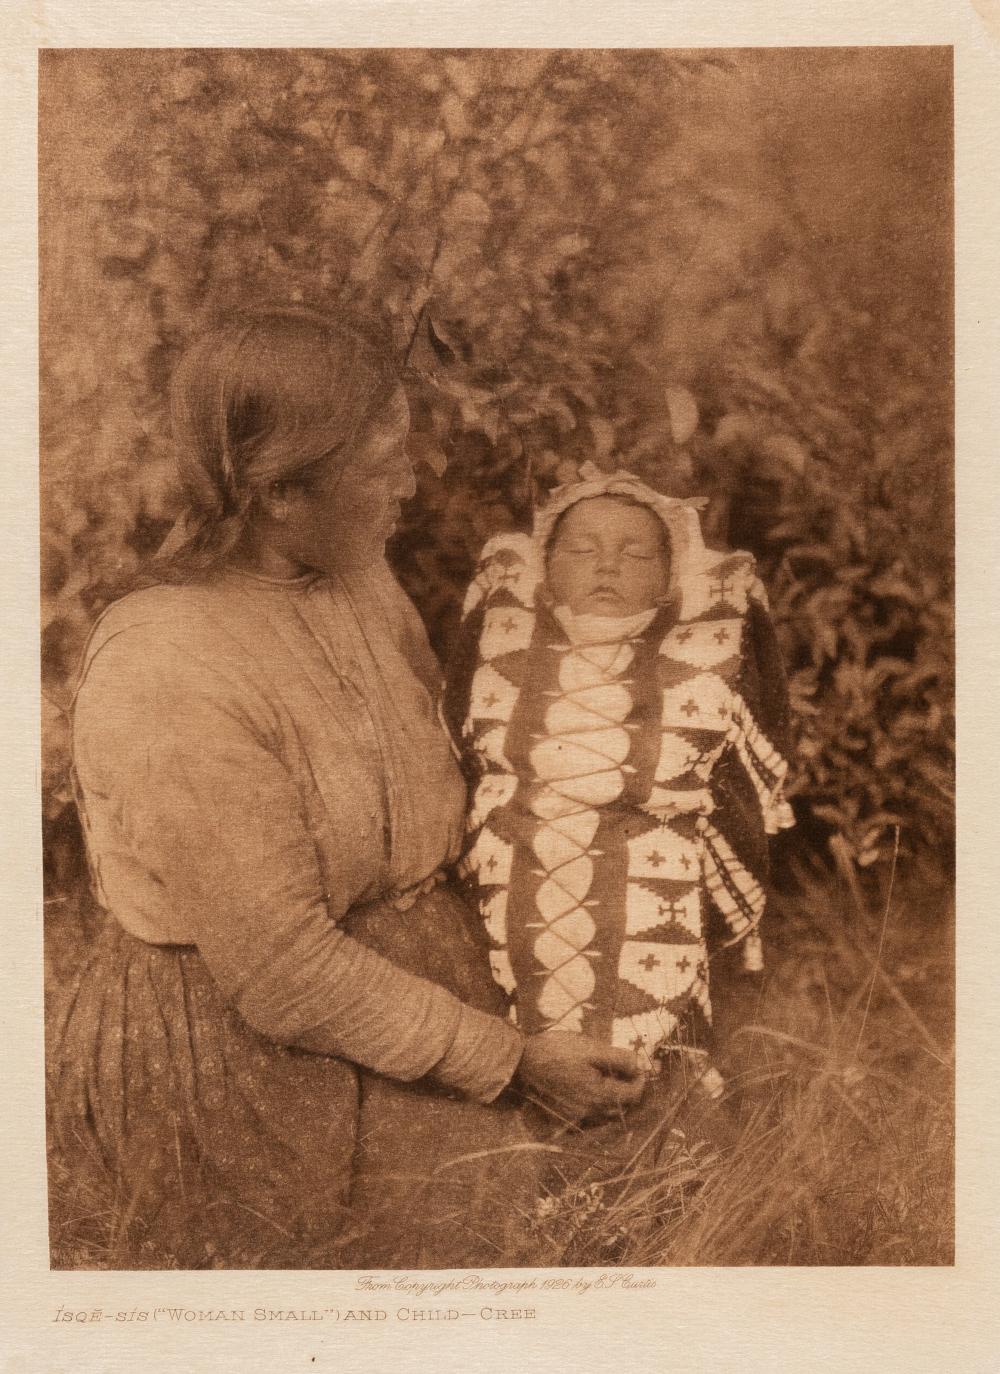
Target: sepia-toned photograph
(497, 575)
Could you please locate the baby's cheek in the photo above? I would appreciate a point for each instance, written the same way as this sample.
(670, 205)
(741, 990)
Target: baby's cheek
(564, 585)
(645, 590)
(659, 583)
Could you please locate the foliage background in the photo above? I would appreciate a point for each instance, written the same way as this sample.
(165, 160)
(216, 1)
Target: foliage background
(728, 270)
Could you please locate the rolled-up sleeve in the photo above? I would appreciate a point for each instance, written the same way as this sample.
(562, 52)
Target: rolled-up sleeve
(187, 807)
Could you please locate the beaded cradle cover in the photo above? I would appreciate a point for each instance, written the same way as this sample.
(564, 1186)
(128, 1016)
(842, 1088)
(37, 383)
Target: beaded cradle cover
(619, 784)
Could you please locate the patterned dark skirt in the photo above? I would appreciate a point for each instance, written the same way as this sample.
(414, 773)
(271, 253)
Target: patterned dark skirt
(180, 1138)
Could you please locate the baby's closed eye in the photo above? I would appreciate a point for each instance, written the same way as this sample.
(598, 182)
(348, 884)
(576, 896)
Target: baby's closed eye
(592, 551)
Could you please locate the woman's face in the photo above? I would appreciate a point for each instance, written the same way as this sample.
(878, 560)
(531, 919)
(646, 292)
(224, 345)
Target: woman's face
(339, 518)
(608, 557)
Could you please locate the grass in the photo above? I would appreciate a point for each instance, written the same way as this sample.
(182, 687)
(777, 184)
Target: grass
(840, 1085)
(840, 1073)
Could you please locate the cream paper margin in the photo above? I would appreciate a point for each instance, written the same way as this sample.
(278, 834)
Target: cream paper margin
(710, 1319)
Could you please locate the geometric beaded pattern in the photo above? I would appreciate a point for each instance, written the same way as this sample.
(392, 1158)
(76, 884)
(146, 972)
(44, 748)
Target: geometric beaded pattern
(591, 836)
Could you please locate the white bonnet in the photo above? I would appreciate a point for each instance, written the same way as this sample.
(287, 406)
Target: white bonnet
(679, 515)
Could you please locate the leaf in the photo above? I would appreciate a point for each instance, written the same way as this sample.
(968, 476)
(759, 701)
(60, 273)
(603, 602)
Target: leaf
(423, 448)
(461, 75)
(683, 410)
(816, 552)
(832, 814)
(894, 586)
(438, 341)
(467, 207)
(786, 450)
(569, 245)
(462, 389)
(353, 158)
(453, 116)
(733, 429)
(186, 82)
(603, 432)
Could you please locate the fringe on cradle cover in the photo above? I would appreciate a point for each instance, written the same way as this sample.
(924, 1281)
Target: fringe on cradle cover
(615, 791)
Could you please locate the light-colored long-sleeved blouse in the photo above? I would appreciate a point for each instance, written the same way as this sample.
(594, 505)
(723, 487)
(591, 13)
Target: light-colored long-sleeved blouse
(252, 759)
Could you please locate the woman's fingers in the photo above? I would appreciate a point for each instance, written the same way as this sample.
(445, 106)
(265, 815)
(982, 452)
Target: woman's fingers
(619, 1093)
(620, 1063)
(580, 1076)
(621, 1080)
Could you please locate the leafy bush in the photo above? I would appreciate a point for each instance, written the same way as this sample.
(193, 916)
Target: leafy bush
(683, 263)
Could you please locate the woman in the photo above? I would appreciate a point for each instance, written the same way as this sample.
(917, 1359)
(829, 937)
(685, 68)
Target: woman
(286, 1043)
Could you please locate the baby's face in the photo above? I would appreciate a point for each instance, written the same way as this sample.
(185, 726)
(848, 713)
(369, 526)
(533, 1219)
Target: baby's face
(608, 557)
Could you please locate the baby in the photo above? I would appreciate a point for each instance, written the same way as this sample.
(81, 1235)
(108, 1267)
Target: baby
(617, 695)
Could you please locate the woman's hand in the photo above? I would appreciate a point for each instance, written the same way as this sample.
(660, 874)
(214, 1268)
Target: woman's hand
(579, 1078)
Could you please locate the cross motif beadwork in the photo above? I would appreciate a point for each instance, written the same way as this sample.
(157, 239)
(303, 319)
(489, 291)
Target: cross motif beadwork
(649, 963)
(722, 588)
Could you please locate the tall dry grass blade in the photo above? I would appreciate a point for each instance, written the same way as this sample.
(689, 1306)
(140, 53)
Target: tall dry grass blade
(930, 1044)
(535, 1147)
(881, 940)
